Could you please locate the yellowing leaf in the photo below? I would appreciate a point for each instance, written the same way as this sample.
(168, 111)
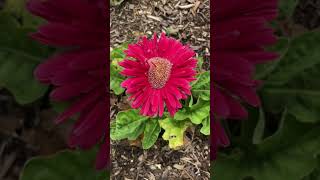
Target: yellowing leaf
(174, 131)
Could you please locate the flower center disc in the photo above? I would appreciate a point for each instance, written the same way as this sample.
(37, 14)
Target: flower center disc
(159, 72)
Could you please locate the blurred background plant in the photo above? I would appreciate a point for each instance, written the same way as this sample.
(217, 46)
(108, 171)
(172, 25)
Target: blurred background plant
(31, 146)
(281, 139)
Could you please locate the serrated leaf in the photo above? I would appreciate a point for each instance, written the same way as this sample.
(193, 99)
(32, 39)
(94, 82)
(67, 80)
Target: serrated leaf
(281, 47)
(205, 129)
(66, 165)
(201, 87)
(151, 133)
(174, 131)
(294, 84)
(19, 55)
(302, 55)
(288, 154)
(128, 124)
(196, 113)
(115, 81)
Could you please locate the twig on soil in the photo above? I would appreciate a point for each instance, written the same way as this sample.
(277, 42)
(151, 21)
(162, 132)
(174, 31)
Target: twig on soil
(195, 8)
(188, 174)
(175, 6)
(186, 6)
(155, 18)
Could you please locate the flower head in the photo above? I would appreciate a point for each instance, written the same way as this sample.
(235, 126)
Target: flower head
(240, 35)
(79, 73)
(159, 72)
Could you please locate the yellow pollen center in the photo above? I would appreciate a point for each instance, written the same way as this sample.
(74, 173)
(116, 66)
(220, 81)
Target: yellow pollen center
(159, 72)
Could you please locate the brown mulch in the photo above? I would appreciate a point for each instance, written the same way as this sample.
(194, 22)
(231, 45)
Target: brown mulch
(186, 20)
(307, 13)
(160, 162)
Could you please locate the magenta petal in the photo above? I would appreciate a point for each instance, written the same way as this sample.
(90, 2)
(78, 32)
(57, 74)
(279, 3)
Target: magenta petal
(103, 157)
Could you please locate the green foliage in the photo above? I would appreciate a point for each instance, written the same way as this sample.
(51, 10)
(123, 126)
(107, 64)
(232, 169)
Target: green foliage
(294, 84)
(199, 64)
(19, 55)
(205, 129)
(281, 47)
(66, 165)
(196, 113)
(128, 124)
(151, 133)
(116, 79)
(286, 8)
(17, 9)
(201, 87)
(289, 154)
(315, 174)
(199, 112)
(289, 150)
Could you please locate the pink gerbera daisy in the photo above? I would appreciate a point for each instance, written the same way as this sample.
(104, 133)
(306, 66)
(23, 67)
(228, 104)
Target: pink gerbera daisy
(240, 33)
(79, 73)
(159, 73)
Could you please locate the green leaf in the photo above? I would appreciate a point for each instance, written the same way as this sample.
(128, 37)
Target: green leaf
(315, 174)
(174, 131)
(129, 124)
(303, 55)
(205, 129)
(66, 165)
(258, 133)
(19, 55)
(195, 113)
(118, 53)
(281, 47)
(201, 87)
(294, 84)
(151, 133)
(17, 9)
(288, 154)
(115, 81)
(190, 101)
(199, 64)
(287, 7)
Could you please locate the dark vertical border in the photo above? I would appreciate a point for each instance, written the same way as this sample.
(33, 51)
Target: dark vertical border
(211, 79)
(211, 64)
(108, 86)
